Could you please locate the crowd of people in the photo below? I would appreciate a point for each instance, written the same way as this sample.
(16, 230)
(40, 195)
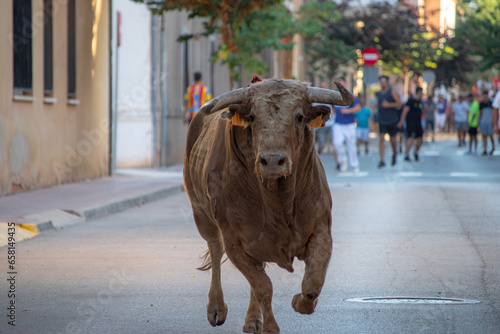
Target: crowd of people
(469, 114)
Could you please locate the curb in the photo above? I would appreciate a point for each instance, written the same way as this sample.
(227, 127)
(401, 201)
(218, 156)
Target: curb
(56, 219)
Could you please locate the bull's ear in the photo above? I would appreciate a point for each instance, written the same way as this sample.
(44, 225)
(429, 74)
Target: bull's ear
(319, 114)
(238, 115)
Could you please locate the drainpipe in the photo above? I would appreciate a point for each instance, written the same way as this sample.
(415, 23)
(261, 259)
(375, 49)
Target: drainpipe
(153, 83)
(163, 95)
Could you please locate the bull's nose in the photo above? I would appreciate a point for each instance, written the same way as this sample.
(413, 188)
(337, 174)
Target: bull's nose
(272, 160)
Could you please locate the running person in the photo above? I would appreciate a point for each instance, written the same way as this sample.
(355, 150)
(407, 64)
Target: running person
(388, 104)
(412, 114)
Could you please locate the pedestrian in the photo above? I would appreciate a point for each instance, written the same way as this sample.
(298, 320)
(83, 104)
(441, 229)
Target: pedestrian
(441, 106)
(412, 114)
(472, 122)
(496, 114)
(362, 125)
(450, 115)
(460, 110)
(429, 111)
(399, 87)
(324, 134)
(486, 122)
(388, 104)
(344, 131)
(196, 96)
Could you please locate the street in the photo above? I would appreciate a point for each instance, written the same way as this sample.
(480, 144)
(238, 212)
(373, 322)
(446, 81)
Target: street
(418, 229)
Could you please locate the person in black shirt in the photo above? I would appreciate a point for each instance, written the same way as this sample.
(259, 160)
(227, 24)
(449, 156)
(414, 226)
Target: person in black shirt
(412, 113)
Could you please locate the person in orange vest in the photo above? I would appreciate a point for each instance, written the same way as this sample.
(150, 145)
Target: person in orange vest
(196, 96)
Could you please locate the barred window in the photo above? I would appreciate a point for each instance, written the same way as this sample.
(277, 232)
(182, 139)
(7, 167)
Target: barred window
(71, 49)
(22, 45)
(48, 72)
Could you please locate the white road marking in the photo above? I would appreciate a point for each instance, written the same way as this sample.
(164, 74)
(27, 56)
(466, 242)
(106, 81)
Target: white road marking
(461, 174)
(351, 174)
(410, 174)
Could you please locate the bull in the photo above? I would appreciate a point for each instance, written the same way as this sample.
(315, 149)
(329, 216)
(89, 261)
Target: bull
(259, 191)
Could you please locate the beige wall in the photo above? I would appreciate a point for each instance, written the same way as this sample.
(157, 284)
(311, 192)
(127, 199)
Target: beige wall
(43, 144)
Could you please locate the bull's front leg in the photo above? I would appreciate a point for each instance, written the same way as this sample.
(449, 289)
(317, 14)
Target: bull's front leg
(318, 253)
(262, 290)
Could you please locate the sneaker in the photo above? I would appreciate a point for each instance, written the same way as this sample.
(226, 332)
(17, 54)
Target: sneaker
(492, 150)
(355, 170)
(415, 155)
(407, 158)
(343, 167)
(337, 167)
(381, 164)
(393, 160)
(484, 153)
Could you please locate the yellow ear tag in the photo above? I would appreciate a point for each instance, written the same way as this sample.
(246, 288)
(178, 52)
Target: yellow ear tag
(316, 123)
(236, 120)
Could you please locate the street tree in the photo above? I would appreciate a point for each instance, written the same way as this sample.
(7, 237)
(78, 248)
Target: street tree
(246, 28)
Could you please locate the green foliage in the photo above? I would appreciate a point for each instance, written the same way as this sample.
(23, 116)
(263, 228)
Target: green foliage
(478, 27)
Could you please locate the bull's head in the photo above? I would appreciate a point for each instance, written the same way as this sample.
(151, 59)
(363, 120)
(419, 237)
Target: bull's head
(279, 114)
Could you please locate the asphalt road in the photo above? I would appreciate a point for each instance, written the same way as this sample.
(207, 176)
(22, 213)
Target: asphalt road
(420, 229)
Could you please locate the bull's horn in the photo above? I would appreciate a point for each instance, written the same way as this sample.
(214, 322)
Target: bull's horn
(225, 100)
(341, 98)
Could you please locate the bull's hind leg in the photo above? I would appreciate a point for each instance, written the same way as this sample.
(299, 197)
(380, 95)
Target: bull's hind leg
(216, 308)
(253, 320)
(262, 288)
(318, 253)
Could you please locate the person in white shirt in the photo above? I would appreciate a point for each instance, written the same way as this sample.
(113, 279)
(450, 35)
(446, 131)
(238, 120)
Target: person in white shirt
(460, 110)
(496, 114)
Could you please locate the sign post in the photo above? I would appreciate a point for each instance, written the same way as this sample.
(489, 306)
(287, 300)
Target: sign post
(370, 56)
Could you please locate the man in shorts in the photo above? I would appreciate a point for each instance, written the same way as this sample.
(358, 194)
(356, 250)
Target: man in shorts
(472, 122)
(460, 110)
(412, 114)
(388, 104)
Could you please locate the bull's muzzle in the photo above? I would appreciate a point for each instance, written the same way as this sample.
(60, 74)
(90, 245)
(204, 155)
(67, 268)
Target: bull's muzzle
(273, 165)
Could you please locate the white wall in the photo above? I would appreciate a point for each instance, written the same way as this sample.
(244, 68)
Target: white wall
(134, 128)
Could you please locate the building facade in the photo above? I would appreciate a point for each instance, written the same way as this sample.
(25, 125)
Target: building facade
(54, 92)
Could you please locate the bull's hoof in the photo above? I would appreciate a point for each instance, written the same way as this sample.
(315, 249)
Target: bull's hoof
(216, 314)
(253, 326)
(304, 305)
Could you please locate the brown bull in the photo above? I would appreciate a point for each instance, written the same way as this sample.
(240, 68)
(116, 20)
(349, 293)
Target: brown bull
(259, 191)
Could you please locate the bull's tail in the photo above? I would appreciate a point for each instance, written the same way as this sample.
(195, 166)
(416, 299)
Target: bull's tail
(207, 261)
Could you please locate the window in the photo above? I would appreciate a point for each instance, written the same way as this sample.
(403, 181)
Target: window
(48, 73)
(22, 45)
(71, 49)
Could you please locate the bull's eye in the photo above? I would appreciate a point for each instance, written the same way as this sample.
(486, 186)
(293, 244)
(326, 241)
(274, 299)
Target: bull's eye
(300, 118)
(251, 118)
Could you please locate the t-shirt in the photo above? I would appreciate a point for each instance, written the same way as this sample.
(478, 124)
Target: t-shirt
(431, 107)
(486, 112)
(496, 101)
(386, 116)
(441, 107)
(460, 109)
(415, 113)
(341, 118)
(363, 116)
(473, 114)
(196, 96)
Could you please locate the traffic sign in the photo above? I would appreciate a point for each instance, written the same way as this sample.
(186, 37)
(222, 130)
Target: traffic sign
(370, 56)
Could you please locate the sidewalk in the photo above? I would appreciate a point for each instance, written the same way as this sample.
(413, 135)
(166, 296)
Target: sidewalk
(60, 206)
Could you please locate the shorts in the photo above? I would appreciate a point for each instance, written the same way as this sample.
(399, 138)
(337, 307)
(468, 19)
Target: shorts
(440, 119)
(460, 125)
(473, 131)
(362, 134)
(486, 128)
(414, 130)
(429, 122)
(391, 129)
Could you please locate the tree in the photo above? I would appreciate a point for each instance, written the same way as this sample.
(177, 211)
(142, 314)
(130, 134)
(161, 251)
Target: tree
(246, 27)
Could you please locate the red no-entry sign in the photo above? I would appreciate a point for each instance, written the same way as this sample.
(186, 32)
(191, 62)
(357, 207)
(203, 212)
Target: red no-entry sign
(370, 56)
